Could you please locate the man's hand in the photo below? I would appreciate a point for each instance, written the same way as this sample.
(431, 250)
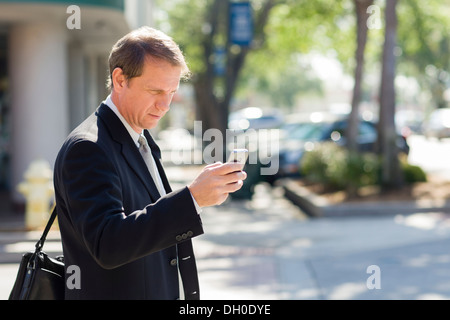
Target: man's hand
(215, 182)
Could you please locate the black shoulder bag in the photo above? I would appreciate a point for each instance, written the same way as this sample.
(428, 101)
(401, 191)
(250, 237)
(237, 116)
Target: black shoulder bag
(40, 277)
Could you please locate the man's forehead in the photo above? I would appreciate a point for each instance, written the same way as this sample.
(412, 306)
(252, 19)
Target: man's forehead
(161, 75)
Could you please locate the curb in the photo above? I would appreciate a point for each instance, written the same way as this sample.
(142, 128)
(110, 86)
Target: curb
(316, 206)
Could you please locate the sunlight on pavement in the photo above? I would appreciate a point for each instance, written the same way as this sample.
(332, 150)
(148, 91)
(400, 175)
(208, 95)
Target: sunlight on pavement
(426, 221)
(9, 273)
(237, 279)
(432, 296)
(347, 291)
(28, 246)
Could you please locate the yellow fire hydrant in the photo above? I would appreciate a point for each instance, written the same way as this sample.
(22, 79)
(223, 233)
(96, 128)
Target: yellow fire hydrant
(38, 191)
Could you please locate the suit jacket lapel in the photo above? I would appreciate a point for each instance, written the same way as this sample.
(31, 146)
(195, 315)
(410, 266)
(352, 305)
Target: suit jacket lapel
(129, 150)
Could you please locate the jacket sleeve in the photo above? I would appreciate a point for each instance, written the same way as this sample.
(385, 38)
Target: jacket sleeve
(93, 192)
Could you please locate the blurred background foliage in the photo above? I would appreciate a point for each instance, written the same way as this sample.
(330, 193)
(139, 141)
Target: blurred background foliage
(277, 67)
(274, 66)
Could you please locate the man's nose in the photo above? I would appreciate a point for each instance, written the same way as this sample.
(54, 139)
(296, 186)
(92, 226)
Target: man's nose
(164, 101)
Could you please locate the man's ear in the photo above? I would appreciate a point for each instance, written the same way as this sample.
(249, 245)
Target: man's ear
(118, 79)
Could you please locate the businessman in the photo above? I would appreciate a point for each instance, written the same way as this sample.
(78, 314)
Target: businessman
(120, 222)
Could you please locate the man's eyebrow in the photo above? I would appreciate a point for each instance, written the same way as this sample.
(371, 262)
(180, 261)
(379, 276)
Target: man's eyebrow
(159, 90)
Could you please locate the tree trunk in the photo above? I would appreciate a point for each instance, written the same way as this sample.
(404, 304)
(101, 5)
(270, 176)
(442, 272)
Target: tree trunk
(213, 108)
(387, 135)
(207, 104)
(361, 39)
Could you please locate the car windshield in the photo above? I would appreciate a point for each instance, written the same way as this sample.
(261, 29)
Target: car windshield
(304, 131)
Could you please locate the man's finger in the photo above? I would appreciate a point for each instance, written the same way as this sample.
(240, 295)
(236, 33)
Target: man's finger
(235, 176)
(227, 168)
(215, 164)
(234, 186)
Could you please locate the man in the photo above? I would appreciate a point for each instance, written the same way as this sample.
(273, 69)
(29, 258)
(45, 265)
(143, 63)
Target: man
(120, 222)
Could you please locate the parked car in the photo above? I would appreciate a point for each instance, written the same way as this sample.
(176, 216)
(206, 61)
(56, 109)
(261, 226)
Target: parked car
(438, 124)
(254, 118)
(250, 128)
(302, 136)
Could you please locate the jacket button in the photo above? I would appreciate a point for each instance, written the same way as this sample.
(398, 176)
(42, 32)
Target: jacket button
(184, 236)
(173, 262)
(178, 238)
(190, 233)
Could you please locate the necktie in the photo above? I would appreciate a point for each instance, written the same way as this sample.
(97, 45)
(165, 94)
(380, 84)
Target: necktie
(146, 153)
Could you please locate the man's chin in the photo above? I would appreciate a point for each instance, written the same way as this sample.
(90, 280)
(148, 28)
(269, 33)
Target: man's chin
(151, 125)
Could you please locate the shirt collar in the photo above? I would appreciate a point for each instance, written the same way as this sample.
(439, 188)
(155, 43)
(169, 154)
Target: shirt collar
(134, 135)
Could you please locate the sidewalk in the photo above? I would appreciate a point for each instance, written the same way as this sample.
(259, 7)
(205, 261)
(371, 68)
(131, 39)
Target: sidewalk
(14, 241)
(268, 248)
(275, 252)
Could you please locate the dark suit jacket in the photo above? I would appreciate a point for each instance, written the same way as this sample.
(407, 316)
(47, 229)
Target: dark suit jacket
(114, 226)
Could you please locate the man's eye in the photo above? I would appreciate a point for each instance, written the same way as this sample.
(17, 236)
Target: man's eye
(158, 92)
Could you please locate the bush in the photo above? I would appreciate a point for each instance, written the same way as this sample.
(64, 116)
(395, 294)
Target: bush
(314, 164)
(337, 168)
(413, 173)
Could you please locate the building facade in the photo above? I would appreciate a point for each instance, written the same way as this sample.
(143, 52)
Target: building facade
(53, 68)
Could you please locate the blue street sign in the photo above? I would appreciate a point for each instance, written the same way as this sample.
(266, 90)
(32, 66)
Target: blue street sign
(220, 57)
(241, 23)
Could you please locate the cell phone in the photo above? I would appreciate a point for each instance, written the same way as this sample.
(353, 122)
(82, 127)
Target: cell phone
(239, 155)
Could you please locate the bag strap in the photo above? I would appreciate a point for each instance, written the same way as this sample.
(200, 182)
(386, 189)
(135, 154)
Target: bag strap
(41, 241)
(188, 270)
